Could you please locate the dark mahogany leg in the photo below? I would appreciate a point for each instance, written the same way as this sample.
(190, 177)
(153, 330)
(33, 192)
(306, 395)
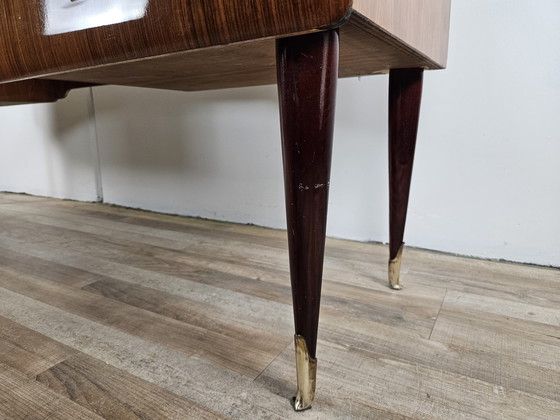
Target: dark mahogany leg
(307, 77)
(405, 91)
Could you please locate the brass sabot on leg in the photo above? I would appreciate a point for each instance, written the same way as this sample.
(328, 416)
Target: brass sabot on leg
(395, 270)
(306, 367)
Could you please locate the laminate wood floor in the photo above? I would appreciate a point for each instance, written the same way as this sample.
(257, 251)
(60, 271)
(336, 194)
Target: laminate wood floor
(114, 313)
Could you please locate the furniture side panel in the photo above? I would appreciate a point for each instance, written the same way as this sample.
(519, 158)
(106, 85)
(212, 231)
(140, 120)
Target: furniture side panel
(422, 24)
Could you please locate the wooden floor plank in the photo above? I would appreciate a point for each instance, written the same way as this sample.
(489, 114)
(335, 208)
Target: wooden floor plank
(28, 352)
(116, 395)
(524, 358)
(232, 353)
(239, 275)
(200, 315)
(370, 385)
(457, 309)
(507, 308)
(485, 362)
(202, 239)
(24, 398)
(544, 292)
(272, 313)
(189, 376)
(50, 270)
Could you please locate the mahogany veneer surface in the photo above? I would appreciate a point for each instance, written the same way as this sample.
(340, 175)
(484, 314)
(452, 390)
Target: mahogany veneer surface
(210, 44)
(167, 26)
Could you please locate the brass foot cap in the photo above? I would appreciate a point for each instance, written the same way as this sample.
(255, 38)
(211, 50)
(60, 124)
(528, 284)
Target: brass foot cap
(306, 367)
(395, 270)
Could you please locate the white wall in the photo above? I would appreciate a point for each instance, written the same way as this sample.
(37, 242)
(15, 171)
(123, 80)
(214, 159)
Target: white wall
(486, 179)
(46, 149)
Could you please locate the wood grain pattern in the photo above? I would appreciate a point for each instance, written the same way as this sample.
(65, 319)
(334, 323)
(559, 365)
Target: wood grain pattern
(168, 26)
(47, 269)
(364, 50)
(117, 395)
(372, 385)
(245, 358)
(188, 376)
(28, 352)
(200, 45)
(23, 398)
(252, 270)
(467, 338)
(195, 313)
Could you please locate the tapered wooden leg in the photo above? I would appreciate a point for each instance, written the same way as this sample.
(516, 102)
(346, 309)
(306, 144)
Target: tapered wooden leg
(307, 76)
(405, 91)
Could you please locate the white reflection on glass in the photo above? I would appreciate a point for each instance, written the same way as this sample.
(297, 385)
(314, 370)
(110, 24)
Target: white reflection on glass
(73, 15)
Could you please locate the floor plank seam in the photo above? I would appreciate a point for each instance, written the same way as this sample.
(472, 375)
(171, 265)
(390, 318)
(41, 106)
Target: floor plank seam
(272, 361)
(437, 315)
